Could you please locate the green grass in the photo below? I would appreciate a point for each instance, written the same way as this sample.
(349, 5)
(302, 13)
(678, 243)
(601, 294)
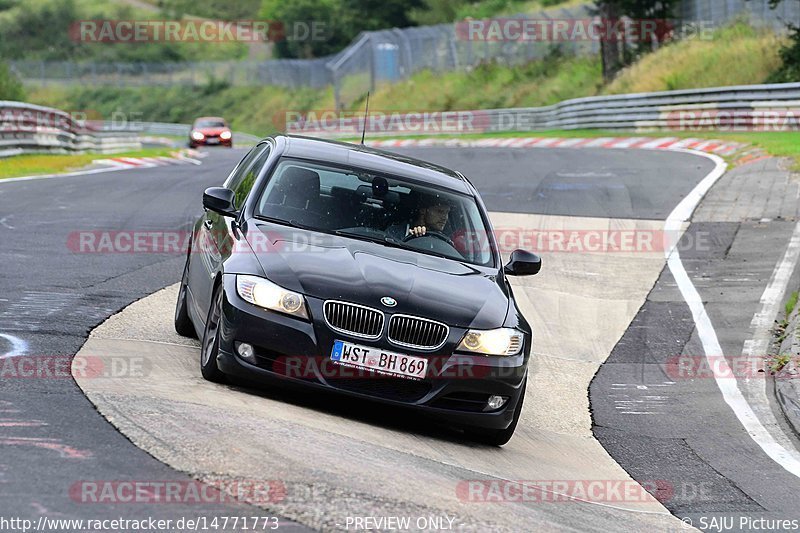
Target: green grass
(737, 55)
(777, 362)
(494, 8)
(491, 86)
(791, 303)
(38, 164)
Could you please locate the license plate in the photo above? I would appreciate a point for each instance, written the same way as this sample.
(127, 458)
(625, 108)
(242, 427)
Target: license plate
(380, 361)
(212, 141)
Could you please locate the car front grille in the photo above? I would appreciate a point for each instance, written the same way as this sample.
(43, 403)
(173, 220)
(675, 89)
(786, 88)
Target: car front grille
(354, 319)
(416, 332)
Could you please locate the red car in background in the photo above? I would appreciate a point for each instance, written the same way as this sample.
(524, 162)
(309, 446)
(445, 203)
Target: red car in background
(210, 131)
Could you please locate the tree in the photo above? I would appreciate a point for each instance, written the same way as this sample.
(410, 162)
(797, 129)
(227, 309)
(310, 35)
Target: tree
(365, 15)
(310, 27)
(789, 53)
(39, 29)
(212, 9)
(615, 51)
(338, 21)
(437, 11)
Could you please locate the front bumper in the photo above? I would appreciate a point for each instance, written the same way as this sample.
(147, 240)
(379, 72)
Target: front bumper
(296, 352)
(207, 141)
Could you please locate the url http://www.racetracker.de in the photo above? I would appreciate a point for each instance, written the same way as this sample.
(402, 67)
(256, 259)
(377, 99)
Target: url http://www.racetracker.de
(148, 524)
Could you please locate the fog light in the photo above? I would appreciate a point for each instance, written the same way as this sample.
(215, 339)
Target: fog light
(246, 352)
(496, 402)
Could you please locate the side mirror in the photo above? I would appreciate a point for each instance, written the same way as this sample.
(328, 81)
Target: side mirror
(219, 200)
(523, 263)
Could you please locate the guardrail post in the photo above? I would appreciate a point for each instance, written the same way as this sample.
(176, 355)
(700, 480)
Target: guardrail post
(371, 49)
(337, 97)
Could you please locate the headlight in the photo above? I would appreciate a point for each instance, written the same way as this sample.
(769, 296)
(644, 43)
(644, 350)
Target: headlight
(225, 135)
(501, 341)
(197, 136)
(264, 293)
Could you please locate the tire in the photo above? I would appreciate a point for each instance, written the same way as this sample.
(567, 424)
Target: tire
(499, 437)
(183, 324)
(210, 345)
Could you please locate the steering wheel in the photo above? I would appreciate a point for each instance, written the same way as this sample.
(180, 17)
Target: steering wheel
(439, 235)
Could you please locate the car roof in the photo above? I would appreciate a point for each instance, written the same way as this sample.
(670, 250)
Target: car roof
(361, 156)
(209, 118)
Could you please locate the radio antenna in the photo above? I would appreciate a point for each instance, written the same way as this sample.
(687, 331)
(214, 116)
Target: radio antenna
(366, 116)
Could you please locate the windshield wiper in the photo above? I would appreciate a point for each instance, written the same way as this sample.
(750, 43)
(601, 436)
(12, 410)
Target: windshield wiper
(385, 240)
(391, 241)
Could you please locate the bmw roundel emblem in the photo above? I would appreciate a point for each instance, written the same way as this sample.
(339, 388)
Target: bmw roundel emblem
(388, 301)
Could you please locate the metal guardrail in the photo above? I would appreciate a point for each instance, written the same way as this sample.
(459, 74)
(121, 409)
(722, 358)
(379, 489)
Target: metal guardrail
(773, 107)
(182, 130)
(29, 128)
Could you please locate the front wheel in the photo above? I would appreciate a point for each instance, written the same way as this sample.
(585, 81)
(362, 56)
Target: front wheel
(210, 345)
(498, 437)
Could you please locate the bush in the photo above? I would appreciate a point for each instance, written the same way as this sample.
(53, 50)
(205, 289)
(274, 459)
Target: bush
(10, 86)
(41, 31)
(790, 56)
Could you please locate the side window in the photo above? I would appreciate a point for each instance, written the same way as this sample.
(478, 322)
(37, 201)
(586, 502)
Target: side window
(242, 178)
(238, 172)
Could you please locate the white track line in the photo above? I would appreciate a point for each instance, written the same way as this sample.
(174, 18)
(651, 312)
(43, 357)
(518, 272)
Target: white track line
(65, 175)
(753, 388)
(117, 166)
(18, 346)
(705, 330)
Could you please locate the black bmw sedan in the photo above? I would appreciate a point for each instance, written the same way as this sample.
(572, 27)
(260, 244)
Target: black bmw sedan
(340, 267)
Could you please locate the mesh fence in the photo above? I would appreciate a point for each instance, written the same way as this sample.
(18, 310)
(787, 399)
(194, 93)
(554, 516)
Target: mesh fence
(758, 12)
(380, 57)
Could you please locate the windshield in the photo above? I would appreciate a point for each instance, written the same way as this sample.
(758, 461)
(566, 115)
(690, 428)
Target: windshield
(209, 124)
(368, 206)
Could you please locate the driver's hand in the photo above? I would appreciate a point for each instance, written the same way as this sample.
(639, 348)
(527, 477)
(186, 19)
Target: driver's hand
(417, 231)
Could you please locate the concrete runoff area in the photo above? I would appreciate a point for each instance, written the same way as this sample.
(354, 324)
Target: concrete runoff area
(403, 466)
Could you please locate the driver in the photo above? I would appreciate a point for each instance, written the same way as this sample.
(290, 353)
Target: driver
(431, 215)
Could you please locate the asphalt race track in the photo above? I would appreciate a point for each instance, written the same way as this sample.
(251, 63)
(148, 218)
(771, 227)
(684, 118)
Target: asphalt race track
(353, 460)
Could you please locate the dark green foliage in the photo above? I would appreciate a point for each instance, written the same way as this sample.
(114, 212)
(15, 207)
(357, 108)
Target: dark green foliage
(10, 86)
(338, 22)
(619, 54)
(790, 53)
(41, 30)
(211, 9)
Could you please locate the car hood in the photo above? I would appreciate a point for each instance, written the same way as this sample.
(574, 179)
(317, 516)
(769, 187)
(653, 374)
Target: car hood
(331, 267)
(211, 131)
